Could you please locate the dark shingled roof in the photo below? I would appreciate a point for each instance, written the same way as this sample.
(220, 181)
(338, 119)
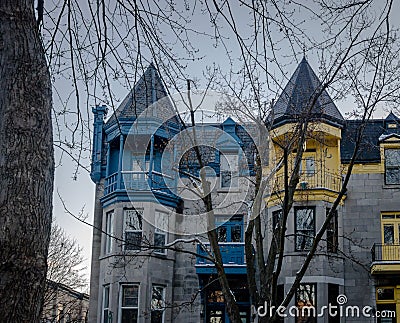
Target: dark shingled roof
(298, 93)
(146, 91)
(375, 131)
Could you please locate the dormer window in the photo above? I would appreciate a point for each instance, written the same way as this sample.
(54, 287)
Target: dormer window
(392, 166)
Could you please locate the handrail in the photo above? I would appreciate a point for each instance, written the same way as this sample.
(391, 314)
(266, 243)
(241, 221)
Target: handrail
(385, 252)
(232, 253)
(136, 180)
(317, 180)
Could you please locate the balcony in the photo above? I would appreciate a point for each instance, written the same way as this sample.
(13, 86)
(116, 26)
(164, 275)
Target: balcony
(312, 181)
(385, 258)
(233, 258)
(139, 181)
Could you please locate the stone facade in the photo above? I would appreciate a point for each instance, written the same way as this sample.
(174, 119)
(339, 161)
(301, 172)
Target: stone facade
(141, 281)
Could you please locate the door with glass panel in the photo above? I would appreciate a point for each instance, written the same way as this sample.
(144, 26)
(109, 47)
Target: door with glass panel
(231, 230)
(390, 237)
(137, 179)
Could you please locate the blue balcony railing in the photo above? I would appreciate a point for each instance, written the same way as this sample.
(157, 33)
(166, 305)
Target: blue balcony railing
(111, 184)
(139, 181)
(233, 258)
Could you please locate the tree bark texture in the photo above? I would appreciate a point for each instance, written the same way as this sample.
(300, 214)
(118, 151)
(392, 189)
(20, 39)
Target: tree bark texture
(26, 163)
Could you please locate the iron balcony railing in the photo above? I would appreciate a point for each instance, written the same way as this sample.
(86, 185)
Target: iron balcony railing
(139, 181)
(385, 252)
(314, 180)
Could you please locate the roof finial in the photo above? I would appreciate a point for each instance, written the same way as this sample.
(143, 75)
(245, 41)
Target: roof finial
(304, 50)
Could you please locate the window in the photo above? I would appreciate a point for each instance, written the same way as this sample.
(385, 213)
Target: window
(106, 304)
(333, 293)
(276, 220)
(139, 165)
(309, 166)
(390, 229)
(129, 303)
(304, 227)
(390, 226)
(388, 234)
(276, 225)
(385, 293)
(392, 166)
(306, 303)
(109, 232)
(386, 304)
(160, 231)
(229, 170)
(133, 228)
(231, 230)
(332, 233)
(157, 304)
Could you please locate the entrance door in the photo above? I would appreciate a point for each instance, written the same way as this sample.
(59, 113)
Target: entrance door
(390, 237)
(388, 304)
(214, 300)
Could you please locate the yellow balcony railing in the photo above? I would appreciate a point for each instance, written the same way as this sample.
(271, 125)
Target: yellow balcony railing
(312, 181)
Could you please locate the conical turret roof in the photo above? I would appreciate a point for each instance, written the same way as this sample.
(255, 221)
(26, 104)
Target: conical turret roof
(146, 91)
(293, 103)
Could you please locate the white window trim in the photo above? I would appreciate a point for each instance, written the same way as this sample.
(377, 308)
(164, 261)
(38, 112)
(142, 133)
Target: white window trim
(109, 229)
(163, 232)
(125, 229)
(103, 308)
(234, 183)
(163, 298)
(120, 300)
(296, 230)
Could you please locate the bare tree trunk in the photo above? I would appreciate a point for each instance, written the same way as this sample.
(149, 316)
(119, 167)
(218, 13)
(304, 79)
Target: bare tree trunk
(26, 163)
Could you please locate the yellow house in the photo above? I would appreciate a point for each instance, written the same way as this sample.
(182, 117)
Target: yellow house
(359, 256)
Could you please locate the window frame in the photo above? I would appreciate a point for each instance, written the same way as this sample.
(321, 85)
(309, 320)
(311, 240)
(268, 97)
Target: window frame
(163, 301)
(296, 230)
(228, 225)
(125, 230)
(103, 306)
(160, 232)
(234, 173)
(310, 170)
(313, 318)
(120, 302)
(109, 232)
(387, 167)
(276, 219)
(304, 169)
(332, 247)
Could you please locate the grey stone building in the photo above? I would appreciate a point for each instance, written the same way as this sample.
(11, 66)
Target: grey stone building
(148, 235)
